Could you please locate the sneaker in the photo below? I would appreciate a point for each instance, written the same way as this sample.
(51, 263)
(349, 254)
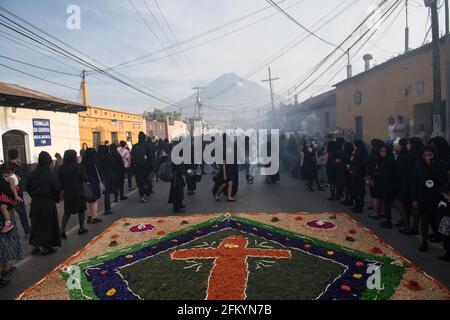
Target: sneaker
(96, 220)
(82, 231)
(143, 200)
(7, 228)
(107, 213)
(89, 220)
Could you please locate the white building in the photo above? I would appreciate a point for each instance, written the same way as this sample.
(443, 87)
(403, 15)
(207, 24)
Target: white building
(32, 122)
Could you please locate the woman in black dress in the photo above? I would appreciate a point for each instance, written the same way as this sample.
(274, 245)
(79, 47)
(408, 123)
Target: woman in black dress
(71, 178)
(90, 165)
(308, 163)
(108, 176)
(331, 155)
(358, 167)
(345, 179)
(43, 187)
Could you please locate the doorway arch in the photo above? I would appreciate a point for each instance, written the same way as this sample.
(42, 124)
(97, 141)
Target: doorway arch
(14, 139)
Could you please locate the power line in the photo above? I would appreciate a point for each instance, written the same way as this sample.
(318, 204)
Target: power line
(126, 63)
(299, 24)
(36, 77)
(38, 67)
(176, 39)
(52, 46)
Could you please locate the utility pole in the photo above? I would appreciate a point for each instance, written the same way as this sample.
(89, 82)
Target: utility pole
(447, 69)
(349, 66)
(271, 80)
(437, 91)
(407, 28)
(198, 103)
(84, 94)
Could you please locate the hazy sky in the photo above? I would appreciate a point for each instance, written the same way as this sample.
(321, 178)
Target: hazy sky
(112, 32)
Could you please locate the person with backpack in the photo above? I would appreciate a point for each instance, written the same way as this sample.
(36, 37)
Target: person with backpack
(139, 162)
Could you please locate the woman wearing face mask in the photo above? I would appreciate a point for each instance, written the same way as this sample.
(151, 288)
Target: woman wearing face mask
(429, 177)
(308, 163)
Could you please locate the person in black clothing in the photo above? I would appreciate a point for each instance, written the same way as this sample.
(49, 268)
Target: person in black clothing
(331, 156)
(190, 170)
(340, 168)
(43, 188)
(358, 167)
(177, 184)
(151, 164)
(373, 179)
(308, 163)
(106, 170)
(414, 147)
(345, 179)
(119, 170)
(90, 165)
(401, 155)
(385, 171)
(429, 177)
(140, 155)
(71, 178)
(442, 150)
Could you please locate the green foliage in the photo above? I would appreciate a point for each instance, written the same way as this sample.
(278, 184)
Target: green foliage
(160, 115)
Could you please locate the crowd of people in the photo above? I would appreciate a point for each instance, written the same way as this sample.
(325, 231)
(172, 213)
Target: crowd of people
(405, 174)
(79, 180)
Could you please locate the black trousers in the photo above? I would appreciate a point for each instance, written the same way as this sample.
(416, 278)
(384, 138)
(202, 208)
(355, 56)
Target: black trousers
(121, 183)
(129, 177)
(429, 216)
(66, 218)
(107, 198)
(141, 174)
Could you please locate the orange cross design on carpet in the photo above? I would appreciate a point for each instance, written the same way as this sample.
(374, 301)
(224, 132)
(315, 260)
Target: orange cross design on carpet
(229, 274)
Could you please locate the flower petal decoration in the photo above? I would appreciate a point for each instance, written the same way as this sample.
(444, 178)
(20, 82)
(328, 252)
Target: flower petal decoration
(141, 228)
(321, 224)
(413, 285)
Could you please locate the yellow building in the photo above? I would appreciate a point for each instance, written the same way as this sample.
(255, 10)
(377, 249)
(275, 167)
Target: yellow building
(402, 86)
(99, 124)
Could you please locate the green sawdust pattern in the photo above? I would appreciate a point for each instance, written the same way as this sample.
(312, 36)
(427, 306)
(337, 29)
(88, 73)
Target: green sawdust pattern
(391, 275)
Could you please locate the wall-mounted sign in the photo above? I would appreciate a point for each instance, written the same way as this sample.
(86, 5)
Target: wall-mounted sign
(357, 98)
(42, 133)
(420, 88)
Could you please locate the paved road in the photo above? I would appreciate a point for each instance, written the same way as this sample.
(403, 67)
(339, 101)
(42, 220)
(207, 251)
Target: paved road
(289, 196)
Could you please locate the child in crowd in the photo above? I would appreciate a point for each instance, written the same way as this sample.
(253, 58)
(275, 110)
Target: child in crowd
(9, 195)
